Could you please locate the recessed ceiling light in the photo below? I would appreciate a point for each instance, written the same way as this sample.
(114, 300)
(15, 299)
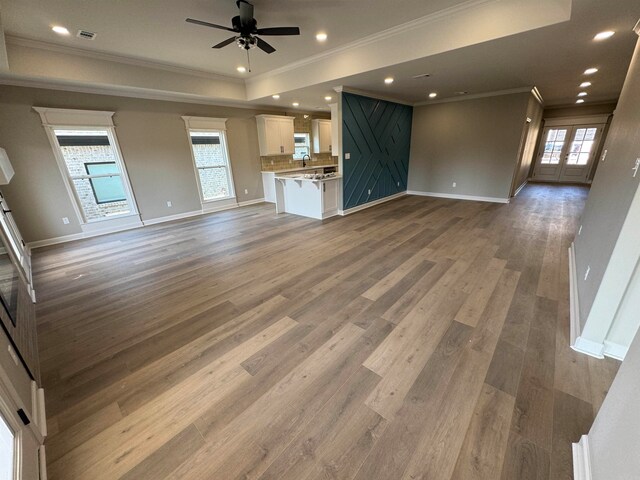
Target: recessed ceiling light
(580, 100)
(60, 30)
(433, 95)
(327, 98)
(585, 84)
(582, 94)
(388, 80)
(275, 97)
(321, 37)
(241, 69)
(590, 71)
(295, 104)
(604, 35)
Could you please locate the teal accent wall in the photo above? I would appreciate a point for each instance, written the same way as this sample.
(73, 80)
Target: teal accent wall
(377, 135)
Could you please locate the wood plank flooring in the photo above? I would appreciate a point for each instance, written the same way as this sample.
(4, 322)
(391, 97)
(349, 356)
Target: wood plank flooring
(419, 339)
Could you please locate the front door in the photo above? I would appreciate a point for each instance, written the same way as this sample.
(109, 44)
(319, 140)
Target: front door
(566, 153)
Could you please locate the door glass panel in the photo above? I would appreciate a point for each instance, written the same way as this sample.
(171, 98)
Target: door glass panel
(553, 146)
(581, 146)
(7, 450)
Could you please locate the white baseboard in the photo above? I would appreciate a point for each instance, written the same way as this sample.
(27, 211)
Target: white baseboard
(578, 343)
(615, 350)
(171, 218)
(458, 197)
(349, 211)
(581, 459)
(144, 223)
(520, 188)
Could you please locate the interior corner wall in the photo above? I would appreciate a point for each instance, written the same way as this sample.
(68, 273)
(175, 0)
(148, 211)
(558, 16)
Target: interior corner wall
(474, 143)
(607, 247)
(154, 145)
(534, 112)
(376, 135)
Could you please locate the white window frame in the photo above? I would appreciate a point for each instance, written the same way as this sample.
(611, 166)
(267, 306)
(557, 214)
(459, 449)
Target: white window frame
(218, 126)
(308, 145)
(67, 119)
(7, 411)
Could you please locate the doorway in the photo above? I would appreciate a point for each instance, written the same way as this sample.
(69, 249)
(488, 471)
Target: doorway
(567, 152)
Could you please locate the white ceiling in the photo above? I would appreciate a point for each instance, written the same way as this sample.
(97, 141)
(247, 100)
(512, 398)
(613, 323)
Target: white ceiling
(156, 30)
(551, 58)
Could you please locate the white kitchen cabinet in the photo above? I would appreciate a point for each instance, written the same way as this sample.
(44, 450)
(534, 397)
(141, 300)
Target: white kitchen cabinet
(275, 135)
(321, 136)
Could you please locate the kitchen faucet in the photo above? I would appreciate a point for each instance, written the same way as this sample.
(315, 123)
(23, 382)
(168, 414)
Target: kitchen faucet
(304, 158)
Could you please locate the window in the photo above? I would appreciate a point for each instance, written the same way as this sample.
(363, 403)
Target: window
(7, 450)
(553, 146)
(212, 165)
(302, 145)
(94, 169)
(86, 149)
(581, 146)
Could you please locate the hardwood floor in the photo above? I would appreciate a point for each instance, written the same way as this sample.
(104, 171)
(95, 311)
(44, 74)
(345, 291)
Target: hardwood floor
(422, 338)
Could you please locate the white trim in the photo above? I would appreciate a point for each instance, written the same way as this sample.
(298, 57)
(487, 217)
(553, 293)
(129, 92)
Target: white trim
(115, 224)
(67, 117)
(110, 57)
(582, 459)
(615, 350)
(369, 39)
(462, 98)
(459, 197)
(577, 120)
(349, 211)
(42, 457)
(524, 184)
(538, 96)
(588, 347)
(171, 218)
(205, 123)
(251, 202)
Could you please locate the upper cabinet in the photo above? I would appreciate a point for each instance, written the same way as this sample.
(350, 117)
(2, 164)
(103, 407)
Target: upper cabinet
(321, 136)
(275, 135)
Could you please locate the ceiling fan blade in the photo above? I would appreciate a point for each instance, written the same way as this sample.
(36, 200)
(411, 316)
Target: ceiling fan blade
(207, 24)
(246, 12)
(225, 43)
(264, 46)
(278, 31)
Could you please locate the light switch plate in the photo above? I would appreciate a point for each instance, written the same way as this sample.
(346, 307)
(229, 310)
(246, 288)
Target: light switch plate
(347, 156)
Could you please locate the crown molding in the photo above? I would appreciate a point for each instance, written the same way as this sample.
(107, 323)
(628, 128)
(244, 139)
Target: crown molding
(462, 98)
(538, 96)
(375, 37)
(109, 57)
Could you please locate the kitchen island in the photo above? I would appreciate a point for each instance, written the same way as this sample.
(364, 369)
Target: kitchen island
(268, 177)
(314, 196)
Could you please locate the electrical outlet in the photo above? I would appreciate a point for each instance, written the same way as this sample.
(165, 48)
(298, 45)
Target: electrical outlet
(347, 156)
(586, 274)
(271, 162)
(580, 230)
(169, 204)
(454, 185)
(290, 160)
(368, 192)
(398, 183)
(246, 192)
(65, 220)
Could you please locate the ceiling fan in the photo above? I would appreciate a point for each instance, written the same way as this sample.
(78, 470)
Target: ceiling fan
(246, 30)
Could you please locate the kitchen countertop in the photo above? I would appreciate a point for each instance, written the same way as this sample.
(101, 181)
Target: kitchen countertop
(288, 177)
(300, 169)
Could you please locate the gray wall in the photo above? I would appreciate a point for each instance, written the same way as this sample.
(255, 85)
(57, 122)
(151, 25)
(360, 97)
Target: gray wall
(474, 143)
(529, 142)
(611, 195)
(154, 145)
(614, 438)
